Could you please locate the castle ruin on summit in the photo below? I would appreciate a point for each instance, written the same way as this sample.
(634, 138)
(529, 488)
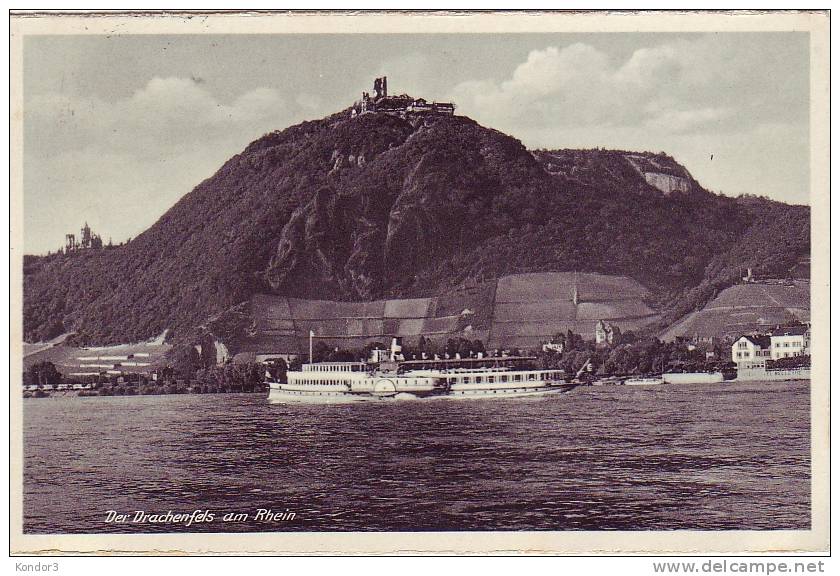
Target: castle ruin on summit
(402, 105)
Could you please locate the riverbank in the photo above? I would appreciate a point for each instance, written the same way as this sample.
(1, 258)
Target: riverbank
(762, 374)
(143, 390)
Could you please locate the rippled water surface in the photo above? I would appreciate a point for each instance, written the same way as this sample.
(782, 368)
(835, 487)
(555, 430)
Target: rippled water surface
(733, 456)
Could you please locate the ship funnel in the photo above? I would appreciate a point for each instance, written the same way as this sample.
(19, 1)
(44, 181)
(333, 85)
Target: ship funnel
(396, 348)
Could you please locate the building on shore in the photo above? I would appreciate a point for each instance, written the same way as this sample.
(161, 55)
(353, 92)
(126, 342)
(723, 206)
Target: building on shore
(751, 351)
(557, 347)
(606, 334)
(754, 350)
(790, 341)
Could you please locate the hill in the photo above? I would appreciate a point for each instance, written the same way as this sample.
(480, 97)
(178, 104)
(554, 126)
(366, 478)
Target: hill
(78, 362)
(744, 308)
(380, 207)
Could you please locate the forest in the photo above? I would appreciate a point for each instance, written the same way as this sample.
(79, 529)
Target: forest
(375, 206)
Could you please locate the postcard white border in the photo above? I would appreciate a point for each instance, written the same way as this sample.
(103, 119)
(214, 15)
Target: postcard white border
(537, 542)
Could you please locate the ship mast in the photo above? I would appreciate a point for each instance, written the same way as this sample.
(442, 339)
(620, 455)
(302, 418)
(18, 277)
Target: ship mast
(311, 335)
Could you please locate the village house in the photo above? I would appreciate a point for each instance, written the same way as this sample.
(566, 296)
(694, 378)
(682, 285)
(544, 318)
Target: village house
(553, 347)
(751, 351)
(606, 334)
(789, 341)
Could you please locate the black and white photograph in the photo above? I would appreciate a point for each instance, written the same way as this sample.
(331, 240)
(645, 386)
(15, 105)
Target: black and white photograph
(456, 282)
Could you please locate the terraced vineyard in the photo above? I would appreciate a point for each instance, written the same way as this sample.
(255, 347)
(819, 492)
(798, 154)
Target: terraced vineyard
(74, 361)
(746, 308)
(530, 308)
(520, 310)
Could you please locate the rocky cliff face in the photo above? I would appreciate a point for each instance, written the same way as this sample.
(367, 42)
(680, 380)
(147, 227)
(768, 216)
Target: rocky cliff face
(376, 206)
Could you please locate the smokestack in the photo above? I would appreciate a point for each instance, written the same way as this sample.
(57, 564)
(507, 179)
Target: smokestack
(384, 86)
(396, 348)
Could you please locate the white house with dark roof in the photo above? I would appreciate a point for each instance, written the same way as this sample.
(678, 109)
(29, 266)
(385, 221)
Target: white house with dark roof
(789, 341)
(751, 351)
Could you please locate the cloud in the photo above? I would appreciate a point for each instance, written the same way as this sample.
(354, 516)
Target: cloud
(680, 121)
(732, 108)
(120, 164)
(681, 86)
(166, 113)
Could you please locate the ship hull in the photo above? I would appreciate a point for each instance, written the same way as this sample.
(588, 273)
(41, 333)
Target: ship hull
(478, 394)
(277, 394)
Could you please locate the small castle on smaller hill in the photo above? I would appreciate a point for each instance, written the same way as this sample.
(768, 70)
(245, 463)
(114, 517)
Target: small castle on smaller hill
(87, 241)
(402, 105)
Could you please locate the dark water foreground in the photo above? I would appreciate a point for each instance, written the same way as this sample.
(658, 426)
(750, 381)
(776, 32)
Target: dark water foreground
(732, 456)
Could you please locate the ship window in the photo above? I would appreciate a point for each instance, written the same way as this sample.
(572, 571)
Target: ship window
(479, 379)
(517, 377)
(491, 379)
(503, 378)
(531, 376)
(467, 379)
(453, 380)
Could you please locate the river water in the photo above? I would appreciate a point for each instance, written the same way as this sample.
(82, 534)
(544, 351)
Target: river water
(731, 456)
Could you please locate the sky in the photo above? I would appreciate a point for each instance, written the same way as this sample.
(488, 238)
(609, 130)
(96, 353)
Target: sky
(118, 128)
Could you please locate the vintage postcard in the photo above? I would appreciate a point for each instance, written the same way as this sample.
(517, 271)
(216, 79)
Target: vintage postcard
(410, 283)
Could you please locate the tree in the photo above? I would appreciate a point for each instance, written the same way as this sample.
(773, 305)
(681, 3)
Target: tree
(478, 346)
(370, 347)
(628, 337)
(465, 348)
(451, 347)
(321, 351)
(43, 374)
(277, 368)
(208, 351)
(185, 361)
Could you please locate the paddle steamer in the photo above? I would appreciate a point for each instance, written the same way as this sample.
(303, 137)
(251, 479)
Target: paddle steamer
(394, 378)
